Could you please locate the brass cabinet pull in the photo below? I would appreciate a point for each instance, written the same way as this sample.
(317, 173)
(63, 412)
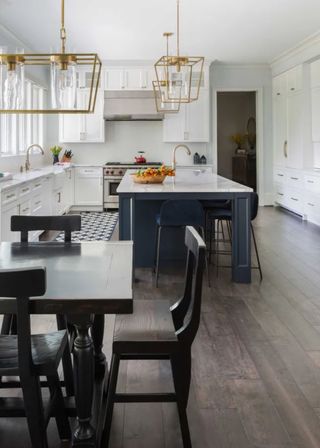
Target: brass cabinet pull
(285, 148)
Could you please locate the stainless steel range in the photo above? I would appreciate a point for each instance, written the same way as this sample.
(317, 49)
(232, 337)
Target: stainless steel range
(113, 173)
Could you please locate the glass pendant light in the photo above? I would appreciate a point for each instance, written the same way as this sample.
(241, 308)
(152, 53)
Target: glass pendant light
(12, 81)
(161, 89)
(183, 74)
(63, 74)
(64, 71)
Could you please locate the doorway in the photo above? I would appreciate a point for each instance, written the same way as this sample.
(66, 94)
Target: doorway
(237, 136)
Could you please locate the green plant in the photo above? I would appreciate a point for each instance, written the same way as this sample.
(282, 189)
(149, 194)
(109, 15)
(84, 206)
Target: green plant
(56, 150)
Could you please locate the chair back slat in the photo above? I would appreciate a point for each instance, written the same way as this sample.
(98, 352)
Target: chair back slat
(25, 224)
(22, 284)
(186, 312)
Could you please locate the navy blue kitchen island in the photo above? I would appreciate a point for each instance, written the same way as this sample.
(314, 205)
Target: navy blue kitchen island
(139, 205)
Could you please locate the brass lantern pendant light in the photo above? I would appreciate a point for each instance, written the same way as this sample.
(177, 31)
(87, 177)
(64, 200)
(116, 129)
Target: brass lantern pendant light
(179, 77)
(67, 72)
(163, 104)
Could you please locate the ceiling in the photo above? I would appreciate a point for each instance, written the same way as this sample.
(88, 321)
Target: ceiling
(232, 31)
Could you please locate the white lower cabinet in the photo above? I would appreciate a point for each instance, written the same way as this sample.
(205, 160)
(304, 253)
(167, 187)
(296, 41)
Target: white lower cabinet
(88, 188)
(298, 191)
(80, 188)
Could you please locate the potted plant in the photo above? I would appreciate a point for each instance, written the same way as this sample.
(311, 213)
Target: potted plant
(67, 156)
(239, 140)
(55, 152)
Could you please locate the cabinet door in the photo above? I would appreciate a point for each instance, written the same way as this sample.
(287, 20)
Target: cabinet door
(112, 79)
(92, 125)
(294, 117)
(294, 80)
(88, 186)
(197, 119)
(6, 234)
(69, 128)
(280, 129)
(174, 126)
(315, 111)
(139, 79)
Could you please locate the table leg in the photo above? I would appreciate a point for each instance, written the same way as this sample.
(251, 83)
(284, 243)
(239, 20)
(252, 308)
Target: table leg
(84, 434)
(241, 239)
(97, 332)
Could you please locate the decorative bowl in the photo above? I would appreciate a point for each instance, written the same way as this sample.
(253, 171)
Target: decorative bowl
(148, 179)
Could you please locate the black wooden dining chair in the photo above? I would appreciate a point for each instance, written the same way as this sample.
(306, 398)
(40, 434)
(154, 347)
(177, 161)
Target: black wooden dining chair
(31, 356)
(24, 225)
(157, 331)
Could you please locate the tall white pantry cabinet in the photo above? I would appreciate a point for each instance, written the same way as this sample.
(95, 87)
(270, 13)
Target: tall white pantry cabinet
(296, 127)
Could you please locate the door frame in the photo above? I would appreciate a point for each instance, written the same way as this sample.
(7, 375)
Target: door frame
(260, 139)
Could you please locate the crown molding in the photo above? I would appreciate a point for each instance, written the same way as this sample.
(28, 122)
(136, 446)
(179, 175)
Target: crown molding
(304, 51)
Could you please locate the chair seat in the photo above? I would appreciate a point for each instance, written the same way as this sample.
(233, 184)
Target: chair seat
(47, 350)
(218, 203)
(220, 213)
(149, 329)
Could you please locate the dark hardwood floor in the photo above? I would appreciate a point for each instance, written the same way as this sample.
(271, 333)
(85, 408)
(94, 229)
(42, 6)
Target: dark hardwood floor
(256, 359)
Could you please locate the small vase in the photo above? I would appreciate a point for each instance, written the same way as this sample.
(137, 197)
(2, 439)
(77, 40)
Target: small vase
(55, 159)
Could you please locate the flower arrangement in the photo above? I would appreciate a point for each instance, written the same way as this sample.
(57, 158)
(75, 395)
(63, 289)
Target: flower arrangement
(239, 139)
(55, 152)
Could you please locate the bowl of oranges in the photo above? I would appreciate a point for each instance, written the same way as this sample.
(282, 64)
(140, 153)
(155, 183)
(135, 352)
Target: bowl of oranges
(152, 175)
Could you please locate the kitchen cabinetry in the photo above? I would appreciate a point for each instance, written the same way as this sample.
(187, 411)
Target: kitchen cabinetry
(83, 128)
(88, 188)
(137, 78)
(191, 124)
(288, 119)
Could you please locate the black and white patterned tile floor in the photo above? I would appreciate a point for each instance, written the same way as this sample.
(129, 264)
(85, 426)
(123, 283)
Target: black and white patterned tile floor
(95, 226)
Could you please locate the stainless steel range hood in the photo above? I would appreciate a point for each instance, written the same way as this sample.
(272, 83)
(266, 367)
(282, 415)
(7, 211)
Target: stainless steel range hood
(130, 105)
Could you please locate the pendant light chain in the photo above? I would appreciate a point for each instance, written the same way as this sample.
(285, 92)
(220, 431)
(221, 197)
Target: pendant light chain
(178, 29)
(63, 34)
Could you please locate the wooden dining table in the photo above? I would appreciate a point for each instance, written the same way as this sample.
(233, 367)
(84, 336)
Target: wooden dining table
(84, 280)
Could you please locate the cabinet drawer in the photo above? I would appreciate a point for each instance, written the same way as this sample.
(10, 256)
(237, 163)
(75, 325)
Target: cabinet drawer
(279, 175)
(37, 204)
(89, 172)
(294, 201)
(279, 194)
(24, 190)
(9, 196)
(312, 183)
(294, 179)
(37, 185)
(58, 180)
(25, 208)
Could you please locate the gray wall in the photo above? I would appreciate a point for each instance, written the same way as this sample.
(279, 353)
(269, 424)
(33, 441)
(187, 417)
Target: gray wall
(233, 111)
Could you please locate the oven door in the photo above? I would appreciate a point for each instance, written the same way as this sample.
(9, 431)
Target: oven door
(111, 198)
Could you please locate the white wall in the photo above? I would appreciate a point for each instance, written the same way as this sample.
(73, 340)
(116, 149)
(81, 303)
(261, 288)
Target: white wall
(233, 77)
(124, 139)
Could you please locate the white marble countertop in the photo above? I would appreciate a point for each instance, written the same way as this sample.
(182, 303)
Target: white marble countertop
(33, 174)
(185, 181)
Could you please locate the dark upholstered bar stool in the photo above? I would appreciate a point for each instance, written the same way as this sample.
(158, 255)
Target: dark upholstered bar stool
(222, 214)
(178, 213)
(157, 331)
(31, 356)
(67, 224)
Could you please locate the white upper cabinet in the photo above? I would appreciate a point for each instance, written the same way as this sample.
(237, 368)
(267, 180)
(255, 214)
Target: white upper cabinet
(315, 74)
(295, 131)
(279, 125)
(294, 80)
(191, 123)
(83, 128)
(136, 78)
(315, 100)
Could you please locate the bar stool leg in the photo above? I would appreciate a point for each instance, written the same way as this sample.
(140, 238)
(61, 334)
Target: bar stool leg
(158, 255)
(156, 249)
(256, 250)
(202, 233)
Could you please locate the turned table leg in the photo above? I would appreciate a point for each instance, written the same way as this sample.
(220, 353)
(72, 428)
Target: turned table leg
(83, 353)
(97, 332)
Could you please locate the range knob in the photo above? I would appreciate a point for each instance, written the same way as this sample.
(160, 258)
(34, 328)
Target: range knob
(111, 172)
(107, 171)
(120, 172)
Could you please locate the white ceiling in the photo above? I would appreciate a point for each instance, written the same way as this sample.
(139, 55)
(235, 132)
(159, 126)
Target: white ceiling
(237, 31)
